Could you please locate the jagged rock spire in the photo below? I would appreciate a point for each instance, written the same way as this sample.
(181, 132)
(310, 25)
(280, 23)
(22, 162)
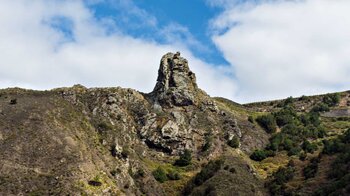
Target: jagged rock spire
(176, 83)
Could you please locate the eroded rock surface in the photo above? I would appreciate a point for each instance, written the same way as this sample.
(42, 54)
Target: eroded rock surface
(176, 83)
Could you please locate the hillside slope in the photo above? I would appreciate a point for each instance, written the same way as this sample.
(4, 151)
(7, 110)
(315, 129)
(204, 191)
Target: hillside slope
(110, 141)
(175, 140)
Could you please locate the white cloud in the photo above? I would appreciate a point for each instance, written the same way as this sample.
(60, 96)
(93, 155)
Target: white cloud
(34, 53)
(180, 35)
(282, 48)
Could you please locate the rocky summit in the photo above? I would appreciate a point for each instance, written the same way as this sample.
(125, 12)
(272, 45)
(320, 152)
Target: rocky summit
(176, 83)
(175, 140)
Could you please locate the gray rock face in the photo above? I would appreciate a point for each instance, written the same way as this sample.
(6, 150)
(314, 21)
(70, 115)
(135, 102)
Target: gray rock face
(176, 83)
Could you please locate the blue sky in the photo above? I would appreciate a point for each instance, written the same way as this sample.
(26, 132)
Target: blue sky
(194, 16)
(244, 50)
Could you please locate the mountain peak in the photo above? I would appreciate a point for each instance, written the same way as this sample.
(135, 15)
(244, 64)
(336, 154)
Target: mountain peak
(176, 83)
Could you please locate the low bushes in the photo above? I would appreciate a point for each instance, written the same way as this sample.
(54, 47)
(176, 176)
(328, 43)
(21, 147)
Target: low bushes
(160, 175)
(311, 169)
(185, 159)
(206, 173)
(295, 132)
(267, 122)
(234, 142)
(259, 155)
(280, 178)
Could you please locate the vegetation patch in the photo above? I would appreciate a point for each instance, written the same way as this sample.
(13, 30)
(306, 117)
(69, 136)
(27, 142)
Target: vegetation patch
(96, 181)
(234, 142)
(339, 174)
(206, 173)
(268, 122)
(311, 169)
(185, 159)
(296, 131)
(277, 186)
(160, 175)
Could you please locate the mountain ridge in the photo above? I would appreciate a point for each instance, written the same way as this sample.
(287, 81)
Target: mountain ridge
(175, 140)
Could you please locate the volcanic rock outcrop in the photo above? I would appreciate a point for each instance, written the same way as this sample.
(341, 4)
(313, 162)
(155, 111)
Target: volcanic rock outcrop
(176, 83)
(107, 141)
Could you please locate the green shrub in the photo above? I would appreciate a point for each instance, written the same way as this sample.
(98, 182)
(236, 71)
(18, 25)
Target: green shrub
(234, 142)
(207, 172)
(346, 137)
(185, 159)
(304, 98)
(311, 169)
(294, 151)
(287, 144)
(275, 142)
(335, 187)
(103, 126)
(208, 141)
(311, 118)
(314, 118)
(267, 122)
(288, 101)
(291, 129)
(280, 177)
(332, 146)
(308, 147)
(339, 173)
(282, 120)
(259, 155)
(173, 175)
(302, 156)
(285, 116)
(284, 174)
(251, 119)
(331, 99)
(140, 173)
(160, 175)
(321, 107)
(206, 146)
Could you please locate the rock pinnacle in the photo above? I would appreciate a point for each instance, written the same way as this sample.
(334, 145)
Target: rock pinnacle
(176, 83)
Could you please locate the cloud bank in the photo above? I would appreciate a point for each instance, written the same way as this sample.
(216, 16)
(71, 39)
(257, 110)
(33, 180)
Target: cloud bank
(283, 48)
(275, 48)
(48, 44)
